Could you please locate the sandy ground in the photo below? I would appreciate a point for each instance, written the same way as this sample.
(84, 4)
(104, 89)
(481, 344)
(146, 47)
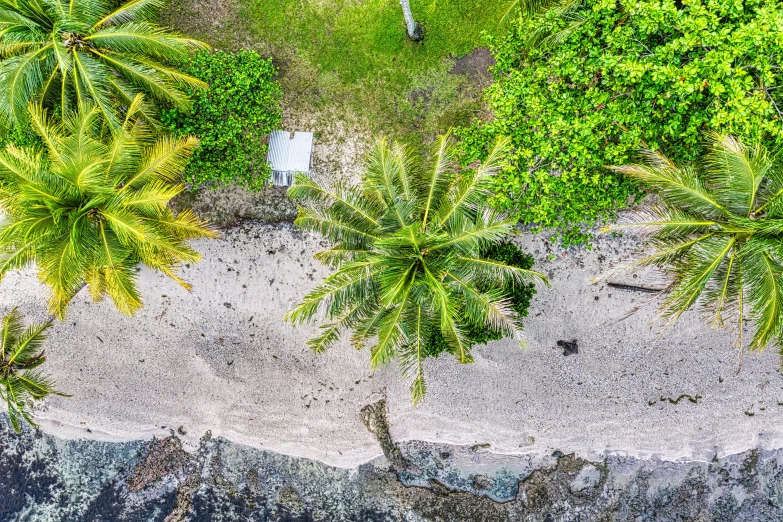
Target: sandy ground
(222, 359)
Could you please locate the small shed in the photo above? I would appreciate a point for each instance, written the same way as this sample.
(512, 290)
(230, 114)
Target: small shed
(289, 154)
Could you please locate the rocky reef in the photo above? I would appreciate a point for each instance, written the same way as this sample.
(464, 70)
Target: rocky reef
(44, 478)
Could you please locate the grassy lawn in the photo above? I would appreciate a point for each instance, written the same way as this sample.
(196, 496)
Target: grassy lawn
(353, 57)
(365, 40)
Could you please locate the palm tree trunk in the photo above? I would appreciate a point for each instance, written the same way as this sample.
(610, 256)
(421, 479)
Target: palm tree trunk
(414, 29)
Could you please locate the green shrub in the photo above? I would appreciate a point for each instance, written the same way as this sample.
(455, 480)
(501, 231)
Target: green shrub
(519, 293)
(660, 71)
(232, 118)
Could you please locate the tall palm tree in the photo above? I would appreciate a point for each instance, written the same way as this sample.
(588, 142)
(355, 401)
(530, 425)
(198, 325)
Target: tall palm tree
(719, 234)
(89, 211)
(75, 52)
(408, 246)
(20, 356)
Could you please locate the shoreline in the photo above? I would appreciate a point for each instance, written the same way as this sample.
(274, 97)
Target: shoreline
(190, 443)
(139, 481)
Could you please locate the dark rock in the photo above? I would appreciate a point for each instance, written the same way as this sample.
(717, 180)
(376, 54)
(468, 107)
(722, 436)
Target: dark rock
(373, 416)
(482, 482)
(164, 457)
(569, 347)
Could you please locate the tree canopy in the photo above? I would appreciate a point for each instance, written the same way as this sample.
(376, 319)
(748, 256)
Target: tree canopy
(21, 355)
(409, 244)
(580, 85)
(89, 52)
(718, 233)
(89, 210)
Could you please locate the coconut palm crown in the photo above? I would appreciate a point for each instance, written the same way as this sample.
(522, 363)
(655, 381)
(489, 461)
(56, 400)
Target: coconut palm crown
(78, 52)
(21, 380)
(89, 211)
(719, 234)
(408, 245)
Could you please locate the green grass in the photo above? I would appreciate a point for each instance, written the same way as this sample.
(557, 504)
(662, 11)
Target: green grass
(354, 55)
(361, 41)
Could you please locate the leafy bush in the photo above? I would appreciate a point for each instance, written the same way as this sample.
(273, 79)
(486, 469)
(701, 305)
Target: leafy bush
(231, 119)
(659, 71)
(520, 295)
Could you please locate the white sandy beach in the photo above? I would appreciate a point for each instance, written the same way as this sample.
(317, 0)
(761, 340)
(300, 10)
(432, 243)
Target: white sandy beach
(221, 358)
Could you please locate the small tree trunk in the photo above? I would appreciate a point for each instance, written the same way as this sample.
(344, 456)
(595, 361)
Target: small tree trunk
(414, 29)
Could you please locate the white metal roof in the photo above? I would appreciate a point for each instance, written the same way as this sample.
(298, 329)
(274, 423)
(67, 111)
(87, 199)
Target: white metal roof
(288, 154)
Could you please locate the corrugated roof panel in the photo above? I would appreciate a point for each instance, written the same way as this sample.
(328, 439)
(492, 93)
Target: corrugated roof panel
(279, 145)
(288, 155)
(299, 153)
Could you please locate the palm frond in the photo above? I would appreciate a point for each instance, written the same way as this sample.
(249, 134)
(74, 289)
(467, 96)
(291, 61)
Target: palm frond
(21, 354)
(406, 269)
(144, 38)
(764, 279)
(131, 11)
(414, 352)
(472, 190)
(680, 186)
(314, 193)
(500, 272)
(733, 169)
(438, 180)
(718, 235)
(94, 208)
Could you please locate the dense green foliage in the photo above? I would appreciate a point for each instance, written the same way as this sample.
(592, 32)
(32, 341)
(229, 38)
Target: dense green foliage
(719, 234)
(519, 293)
(70, 53)
(231, 119)
(89, 210)
(409, 252)
(21, 355)
(618, 73)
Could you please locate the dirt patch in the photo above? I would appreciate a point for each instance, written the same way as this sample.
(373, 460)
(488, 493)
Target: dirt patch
(476, 65)
(227, 206)
(218, 22)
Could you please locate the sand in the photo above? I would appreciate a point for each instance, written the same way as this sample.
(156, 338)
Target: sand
(221, 358)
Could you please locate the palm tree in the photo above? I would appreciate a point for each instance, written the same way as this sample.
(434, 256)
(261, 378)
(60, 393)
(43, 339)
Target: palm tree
(87, 211)
(78, 52)
(20, 356)
(719, 234)
(408, 249)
